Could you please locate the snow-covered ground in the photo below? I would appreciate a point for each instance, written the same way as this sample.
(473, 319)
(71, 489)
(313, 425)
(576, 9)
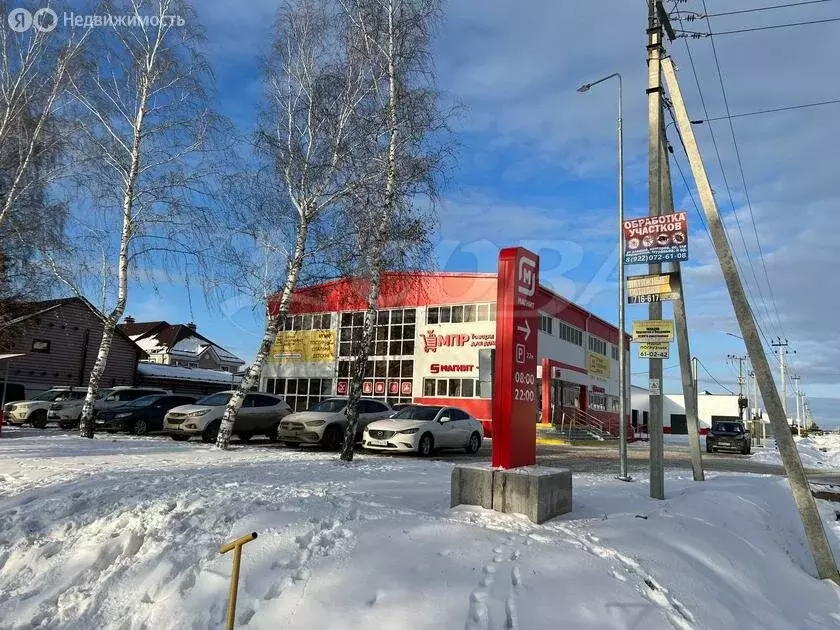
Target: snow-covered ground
(124, 533)
(816, 452)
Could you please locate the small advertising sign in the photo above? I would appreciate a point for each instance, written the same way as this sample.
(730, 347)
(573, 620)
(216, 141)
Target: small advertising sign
(657, 287)
(653, 330)
(653, 386)
(656, 239)
(597, 365)
(654, 350)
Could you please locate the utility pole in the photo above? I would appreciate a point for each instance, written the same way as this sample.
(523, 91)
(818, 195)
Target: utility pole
(756, 411)
(689, 387)
(797, 393)
(655, 159)
(782, 350)
(801, 490)
(740, 361)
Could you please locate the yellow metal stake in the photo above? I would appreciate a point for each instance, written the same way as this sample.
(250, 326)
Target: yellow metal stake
(236, 546)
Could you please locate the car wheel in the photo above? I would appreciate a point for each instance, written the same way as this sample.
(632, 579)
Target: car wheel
(747, 448)
(180, 438)
(333, 437)
(211, 432)
(426, 444)
(244, 437)
(709, 449)
(39, 419)
(141, 427)
(272, 434)
(474, 444)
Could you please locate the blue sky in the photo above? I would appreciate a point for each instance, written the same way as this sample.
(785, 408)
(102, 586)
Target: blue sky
(537, 165)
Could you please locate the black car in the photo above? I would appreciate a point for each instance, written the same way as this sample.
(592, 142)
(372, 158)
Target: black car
(729, 435)
(142, 415)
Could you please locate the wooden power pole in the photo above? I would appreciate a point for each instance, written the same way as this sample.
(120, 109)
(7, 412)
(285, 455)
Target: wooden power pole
(813, 525)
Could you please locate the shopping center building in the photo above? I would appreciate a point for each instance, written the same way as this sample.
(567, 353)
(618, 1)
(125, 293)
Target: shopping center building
(430, 333)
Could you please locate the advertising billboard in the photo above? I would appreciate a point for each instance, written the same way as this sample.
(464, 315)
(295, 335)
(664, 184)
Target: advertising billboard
(303, 346)
(597, 365)
(653, 330)
(657, 287)
(656, 239)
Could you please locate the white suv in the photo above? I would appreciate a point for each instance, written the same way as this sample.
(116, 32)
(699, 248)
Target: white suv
(259, 414)
(35, 411)
(69, 412)
(325, 422)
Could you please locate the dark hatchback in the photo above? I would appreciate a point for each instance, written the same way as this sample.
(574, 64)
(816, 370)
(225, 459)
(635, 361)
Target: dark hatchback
(143, 415)
(728, 435)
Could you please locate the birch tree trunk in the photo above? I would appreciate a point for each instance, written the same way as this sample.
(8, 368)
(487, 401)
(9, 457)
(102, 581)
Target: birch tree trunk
(377, 248)
(273, 320)
(86, 421)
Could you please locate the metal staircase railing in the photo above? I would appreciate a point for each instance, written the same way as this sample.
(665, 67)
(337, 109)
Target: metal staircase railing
(571, 419)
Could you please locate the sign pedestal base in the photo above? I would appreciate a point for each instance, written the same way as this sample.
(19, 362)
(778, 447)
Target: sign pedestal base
(538, 492)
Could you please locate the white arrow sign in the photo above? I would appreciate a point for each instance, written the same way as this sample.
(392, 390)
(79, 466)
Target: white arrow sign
(525, 329)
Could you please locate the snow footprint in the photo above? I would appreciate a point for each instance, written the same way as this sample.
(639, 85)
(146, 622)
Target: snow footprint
(478, 617)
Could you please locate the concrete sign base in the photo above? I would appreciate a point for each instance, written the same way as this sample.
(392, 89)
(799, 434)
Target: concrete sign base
(537, 492)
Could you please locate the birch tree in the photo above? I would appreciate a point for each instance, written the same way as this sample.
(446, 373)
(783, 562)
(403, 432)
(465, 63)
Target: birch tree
(35, 65)
(145, 124)
(314, 84)
(404, 149)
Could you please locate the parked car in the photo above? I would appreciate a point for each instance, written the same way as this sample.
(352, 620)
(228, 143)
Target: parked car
(730, 435)
(260, 414)
(142, 415)
(400, 407)
(35, 411)
(325, 422)
(68, 413)
(422, 428)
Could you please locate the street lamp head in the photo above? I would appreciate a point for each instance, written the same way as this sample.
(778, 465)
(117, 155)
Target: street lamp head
(584, 88)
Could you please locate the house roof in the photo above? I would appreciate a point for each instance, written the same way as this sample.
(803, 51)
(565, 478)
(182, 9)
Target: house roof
(178, 339)
(137, 330)
(19, 312)
(179, 373)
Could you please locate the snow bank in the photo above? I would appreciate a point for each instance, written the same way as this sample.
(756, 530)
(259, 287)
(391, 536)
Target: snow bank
(817, 452)
(124, 533)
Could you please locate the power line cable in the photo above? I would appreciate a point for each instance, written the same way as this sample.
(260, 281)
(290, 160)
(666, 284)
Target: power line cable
(767, 111)
(729, 194)
(699, 35)
(713, 377)
(756, 9)
(743, 181)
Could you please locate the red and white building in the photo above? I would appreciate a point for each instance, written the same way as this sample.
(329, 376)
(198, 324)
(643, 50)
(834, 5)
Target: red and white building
(431, 328)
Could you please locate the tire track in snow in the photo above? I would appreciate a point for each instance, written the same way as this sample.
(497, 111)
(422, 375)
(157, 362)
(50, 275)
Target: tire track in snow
(676, 613)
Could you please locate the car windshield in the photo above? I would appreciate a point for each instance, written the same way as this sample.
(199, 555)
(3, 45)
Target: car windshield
(417, 412)
(103, 393)
(145, 401)
(333, 405)
(215, 400)
(727, 427)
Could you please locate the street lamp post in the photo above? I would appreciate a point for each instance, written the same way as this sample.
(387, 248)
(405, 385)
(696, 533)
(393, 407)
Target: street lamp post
(622, 360)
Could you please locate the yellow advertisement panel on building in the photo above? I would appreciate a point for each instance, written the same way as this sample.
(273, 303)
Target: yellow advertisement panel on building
(303, 346)
(597, 365)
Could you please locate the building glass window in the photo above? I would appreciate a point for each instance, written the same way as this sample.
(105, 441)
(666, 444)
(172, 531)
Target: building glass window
(300, 393)
(546, 323)
(482, 312)
(597, 345)
(429, 387)
(570, 333)
(597, 402)
(614, 351)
